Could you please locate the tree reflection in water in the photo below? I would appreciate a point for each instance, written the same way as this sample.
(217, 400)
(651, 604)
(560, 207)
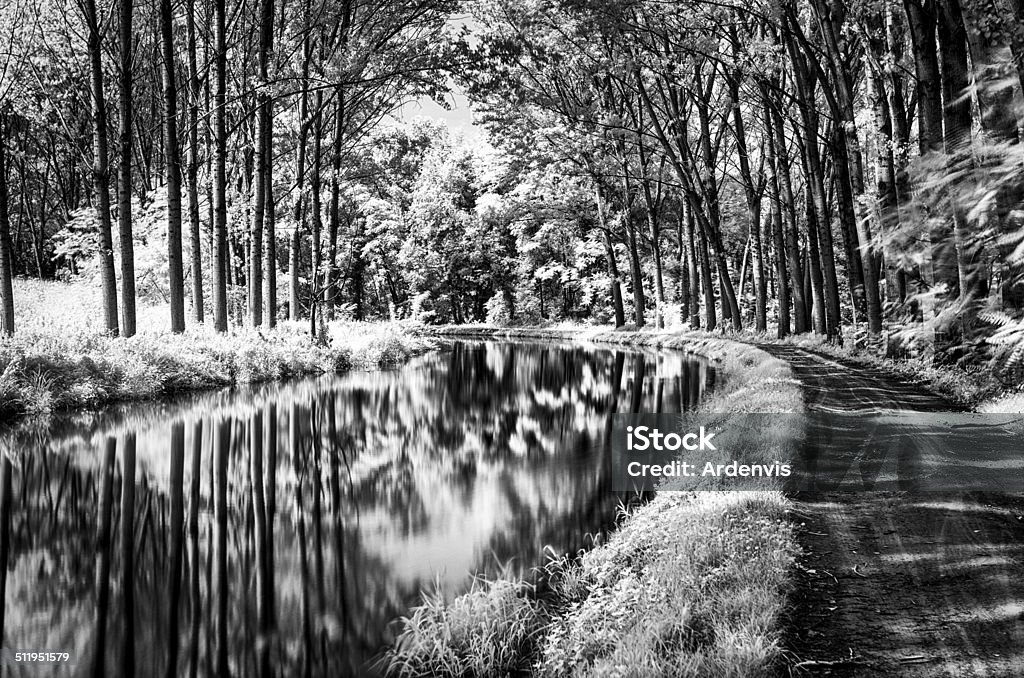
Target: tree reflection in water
(279, 530)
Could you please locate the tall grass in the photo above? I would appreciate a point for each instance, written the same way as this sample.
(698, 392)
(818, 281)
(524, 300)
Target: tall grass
(487, 631)
(60, 358)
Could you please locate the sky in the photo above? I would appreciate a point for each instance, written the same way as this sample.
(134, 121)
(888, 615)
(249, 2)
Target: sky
(459, 119)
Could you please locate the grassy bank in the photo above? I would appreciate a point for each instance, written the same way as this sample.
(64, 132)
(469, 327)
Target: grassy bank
(689, 584)
(60, 359)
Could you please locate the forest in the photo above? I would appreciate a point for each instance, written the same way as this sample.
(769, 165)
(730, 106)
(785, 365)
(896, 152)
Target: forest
(850, 169)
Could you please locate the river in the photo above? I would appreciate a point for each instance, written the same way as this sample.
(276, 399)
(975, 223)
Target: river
(305, 517)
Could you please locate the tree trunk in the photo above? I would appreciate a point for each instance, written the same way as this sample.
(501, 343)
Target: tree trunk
(637, 279)
(317, 220)
(101, 170)
(124, 189)
(704, 255)
(265, 138)
(922, 19)
(192, 167)
(781, 274)
(792, 238)
(172, 158)
(299, 218)
(692, 267)
(753, 205)
(613, 268)
(220, 205)
(334, 217)
(6, 263)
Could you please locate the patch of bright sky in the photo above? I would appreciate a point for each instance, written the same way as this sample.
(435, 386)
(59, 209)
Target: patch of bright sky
(459, 115)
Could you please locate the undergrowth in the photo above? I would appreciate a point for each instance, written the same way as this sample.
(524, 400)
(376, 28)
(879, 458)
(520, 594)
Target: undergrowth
(61, 359)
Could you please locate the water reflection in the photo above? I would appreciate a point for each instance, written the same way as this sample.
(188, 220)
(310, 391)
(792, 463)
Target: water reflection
(279, 531)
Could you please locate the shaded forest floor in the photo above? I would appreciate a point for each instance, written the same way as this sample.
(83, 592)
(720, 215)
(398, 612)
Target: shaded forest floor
(899, 584)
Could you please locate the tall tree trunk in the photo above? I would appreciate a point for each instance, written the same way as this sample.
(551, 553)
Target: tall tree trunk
(101, 169)
(922, 18)
(265, 139)
(635, 273)
(124, 189)
(704, 254)
(299, 219)
(753, 201)
(172, 157)
(792, 237)
(221, 256)
(683, 279)
(806, 82)
(192, 166)
(6, 260)
(334, 217)
(693, 270)
(317, 220)
(781, 275)
(609, 252)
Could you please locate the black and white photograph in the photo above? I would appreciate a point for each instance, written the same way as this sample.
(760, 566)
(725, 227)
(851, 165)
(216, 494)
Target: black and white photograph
(511, 338)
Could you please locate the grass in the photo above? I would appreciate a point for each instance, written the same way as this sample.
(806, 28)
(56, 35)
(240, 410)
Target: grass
(487, 631)
(60, 358)
(689, 584)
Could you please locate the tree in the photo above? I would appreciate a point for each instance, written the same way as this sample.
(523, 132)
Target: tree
(6, 261)
(100, 167)
(172, 170)
(124, 187)
(220, 134)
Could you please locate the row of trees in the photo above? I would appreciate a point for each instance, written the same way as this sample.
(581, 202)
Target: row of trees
(782, 165)
(840, 160)
(225, 121)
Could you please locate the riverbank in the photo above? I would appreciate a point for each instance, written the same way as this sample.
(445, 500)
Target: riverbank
(59, 359)
(689, 584)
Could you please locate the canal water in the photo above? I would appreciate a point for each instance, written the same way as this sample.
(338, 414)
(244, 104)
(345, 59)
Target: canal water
(282, 529)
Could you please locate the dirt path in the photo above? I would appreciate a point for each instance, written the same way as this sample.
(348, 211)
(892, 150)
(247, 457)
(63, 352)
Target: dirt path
(893, 584)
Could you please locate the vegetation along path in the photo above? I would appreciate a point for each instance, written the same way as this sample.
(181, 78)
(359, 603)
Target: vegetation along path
(898, 584)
